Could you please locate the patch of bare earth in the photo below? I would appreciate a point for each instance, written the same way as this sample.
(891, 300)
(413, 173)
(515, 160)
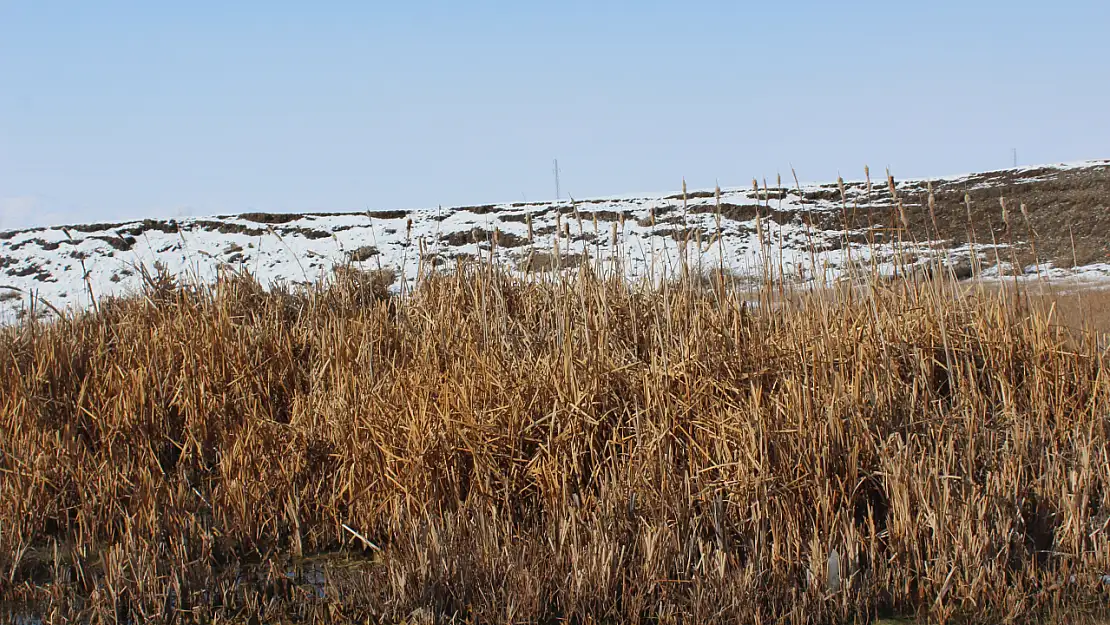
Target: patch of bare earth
(1066, 218)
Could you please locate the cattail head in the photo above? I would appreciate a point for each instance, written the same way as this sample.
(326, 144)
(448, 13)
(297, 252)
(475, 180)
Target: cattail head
(902, 215)
(613, 236)
(528, 220)
(840, 185)
(1005, 213)
(1028, 222)
(932, 203)
(717, 197)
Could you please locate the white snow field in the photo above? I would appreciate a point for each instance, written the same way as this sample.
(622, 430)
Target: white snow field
(801, 228)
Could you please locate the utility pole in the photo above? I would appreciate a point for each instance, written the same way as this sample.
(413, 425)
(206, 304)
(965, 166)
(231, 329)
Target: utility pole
(557, 196)
(1015, 158)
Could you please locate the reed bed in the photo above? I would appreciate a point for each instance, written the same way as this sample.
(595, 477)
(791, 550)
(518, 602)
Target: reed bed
(501, 448)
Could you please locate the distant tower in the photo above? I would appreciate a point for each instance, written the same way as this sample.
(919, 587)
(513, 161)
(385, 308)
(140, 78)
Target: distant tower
(556, 169)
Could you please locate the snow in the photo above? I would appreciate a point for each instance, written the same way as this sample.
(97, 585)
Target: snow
(61, 266)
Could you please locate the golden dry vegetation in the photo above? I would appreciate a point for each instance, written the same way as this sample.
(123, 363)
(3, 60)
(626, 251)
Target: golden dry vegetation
(491, 448)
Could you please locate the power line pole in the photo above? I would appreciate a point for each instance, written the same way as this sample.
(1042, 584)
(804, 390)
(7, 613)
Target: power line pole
(1015, 158)
(557, 196)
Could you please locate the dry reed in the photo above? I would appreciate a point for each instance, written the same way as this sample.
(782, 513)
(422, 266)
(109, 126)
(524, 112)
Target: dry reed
(491, 448)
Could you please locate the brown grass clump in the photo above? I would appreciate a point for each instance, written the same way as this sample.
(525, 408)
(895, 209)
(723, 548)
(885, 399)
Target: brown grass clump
(493, 449)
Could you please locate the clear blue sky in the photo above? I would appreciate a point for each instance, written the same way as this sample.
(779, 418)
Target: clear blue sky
(112, 110)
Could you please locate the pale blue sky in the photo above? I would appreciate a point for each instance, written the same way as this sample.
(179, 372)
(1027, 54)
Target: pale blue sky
(112, 110)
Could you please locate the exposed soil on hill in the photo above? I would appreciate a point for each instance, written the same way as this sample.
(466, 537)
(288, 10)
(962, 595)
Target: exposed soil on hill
(1066, 217)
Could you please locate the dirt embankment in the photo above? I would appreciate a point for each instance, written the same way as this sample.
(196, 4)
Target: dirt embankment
(1066, 217)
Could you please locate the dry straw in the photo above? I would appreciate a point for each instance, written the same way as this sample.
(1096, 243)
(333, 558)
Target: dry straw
(497, 448)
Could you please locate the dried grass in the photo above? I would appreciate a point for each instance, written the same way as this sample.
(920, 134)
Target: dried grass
(490, 448)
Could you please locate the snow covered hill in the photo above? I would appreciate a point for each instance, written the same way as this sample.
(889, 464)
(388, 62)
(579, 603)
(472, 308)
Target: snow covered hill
(808, 231)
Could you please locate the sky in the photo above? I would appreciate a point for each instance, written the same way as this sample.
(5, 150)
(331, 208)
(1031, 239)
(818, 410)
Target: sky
(117, 110)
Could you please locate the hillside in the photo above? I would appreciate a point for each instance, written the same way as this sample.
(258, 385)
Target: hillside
(814, 230)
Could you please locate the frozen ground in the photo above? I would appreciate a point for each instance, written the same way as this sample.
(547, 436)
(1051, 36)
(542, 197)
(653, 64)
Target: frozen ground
(802, 226)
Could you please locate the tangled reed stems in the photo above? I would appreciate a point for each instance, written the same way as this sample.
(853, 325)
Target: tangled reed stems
(492, 448)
